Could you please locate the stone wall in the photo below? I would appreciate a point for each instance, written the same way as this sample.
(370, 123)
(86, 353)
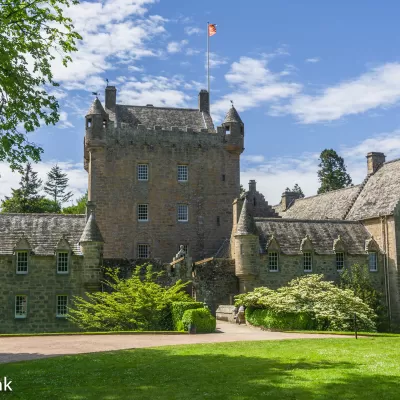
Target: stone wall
(212, 185)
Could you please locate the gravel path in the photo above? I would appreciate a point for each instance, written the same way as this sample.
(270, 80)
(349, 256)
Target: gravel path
(31, 347)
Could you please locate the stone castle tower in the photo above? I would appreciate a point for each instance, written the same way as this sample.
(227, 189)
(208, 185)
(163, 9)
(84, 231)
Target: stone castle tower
(161, 177)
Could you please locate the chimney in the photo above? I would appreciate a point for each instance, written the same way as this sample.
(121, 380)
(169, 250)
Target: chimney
(111, 97)
(287, 199)
(204, 101)
(374, 162)
(252, 186)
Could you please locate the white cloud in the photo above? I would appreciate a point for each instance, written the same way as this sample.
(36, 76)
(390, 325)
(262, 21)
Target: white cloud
(176, 47)
(379, 87)
(77, 184)
(216, 60)
(313, 60)
(192, 52)
(253, 158)
(192, 30)
(63, 122)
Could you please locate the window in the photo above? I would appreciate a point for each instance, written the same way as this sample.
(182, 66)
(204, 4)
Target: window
(62, 305)
(104, 123)
(339, 261)
(185, 248)
(143, 172)
(218, 221)
(227, 129)
(143, 212)
(241, 250)
(62, 262)
(89, 123)
(273, 261)
(307, 261)
(21, 306)
(223, 177)
(143, 251)
(182, 173)
(22, 262)
(373, 261)
(183, 213)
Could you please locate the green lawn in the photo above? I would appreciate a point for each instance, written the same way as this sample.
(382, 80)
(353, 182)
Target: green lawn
(367, 368)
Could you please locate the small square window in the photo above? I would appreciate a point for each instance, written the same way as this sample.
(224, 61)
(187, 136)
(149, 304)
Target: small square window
(183, 214)
(143, 172)
(307, 261)
(143, 251)
(273, 261)
(373, 261)
(62, 262)
(339, 261)
(21, 306)
(22, 262)
(62, 306)
(143, 212)
(182, 173)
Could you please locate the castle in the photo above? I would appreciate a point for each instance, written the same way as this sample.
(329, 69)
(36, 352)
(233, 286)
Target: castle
(164, 179)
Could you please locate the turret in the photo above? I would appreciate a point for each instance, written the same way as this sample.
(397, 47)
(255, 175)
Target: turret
(246, 250)
(96, 124)
(234, 131)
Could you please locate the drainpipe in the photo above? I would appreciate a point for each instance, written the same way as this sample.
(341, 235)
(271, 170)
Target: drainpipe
(384, 227)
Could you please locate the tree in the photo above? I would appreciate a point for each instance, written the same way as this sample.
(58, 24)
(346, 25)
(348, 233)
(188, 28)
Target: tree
(31, 33)
(26, 198)
(136, 303)
(242, 190)
(79, 207)
(56, 185)
(332, 173)
(296, 189)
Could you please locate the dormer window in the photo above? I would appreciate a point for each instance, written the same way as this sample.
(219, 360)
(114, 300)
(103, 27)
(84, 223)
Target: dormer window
(339, 261)
(307, 261)
(373, 261)
(273, 261)
(62, 262)
(88, 123)
(22, 262)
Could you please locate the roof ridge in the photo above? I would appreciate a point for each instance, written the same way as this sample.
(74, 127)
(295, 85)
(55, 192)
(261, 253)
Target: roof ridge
(44, 215)
(160, 108)
(362, 186)
(306, 220)
(388, 162)
(323, 194)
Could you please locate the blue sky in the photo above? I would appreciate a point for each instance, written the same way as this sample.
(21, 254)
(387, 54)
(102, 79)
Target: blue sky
(304, 76)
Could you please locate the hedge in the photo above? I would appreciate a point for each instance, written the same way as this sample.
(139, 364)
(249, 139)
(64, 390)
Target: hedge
(178, 308)
(279, 321)
(201, 318)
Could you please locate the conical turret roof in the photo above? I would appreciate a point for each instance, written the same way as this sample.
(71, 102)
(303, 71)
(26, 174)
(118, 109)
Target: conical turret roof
(246, 224)
(232, 116)
(91, 233)
(96, 108)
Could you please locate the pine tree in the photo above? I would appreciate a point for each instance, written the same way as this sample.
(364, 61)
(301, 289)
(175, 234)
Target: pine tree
(297, 189)
(26, 199)
(332, 173)
(56, 185)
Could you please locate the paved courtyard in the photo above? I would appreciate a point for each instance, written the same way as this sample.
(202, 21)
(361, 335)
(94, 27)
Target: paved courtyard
(32, 347)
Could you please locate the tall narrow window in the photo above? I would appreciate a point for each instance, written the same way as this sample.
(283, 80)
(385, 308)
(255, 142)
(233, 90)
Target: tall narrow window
(21, 306)
(339, 261)
(22, 262)
(143, 251)
(218, 221)
(62, 262)
(223, 177)
(62, 306)
(373, 261)
(143, 212)
(273, 261)
(307, 261)
(183, 173)
(143, 172)
(104, 123)
(183, 213)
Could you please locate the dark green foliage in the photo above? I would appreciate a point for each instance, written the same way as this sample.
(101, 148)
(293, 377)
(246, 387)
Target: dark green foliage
(201, 318)
(26, 198)
(79, 207)
(178, 308)
(135, 303)
(56, 185)
(280, 321)
(332, 173)
(31, 33)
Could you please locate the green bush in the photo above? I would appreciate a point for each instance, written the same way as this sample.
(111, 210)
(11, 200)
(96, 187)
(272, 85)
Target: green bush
(178, 308)
(201, 318)
(279, 321)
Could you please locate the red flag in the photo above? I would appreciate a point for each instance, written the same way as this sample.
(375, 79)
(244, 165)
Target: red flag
(212, 29)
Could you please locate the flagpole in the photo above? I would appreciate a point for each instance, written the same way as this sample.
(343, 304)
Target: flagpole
(208, 60)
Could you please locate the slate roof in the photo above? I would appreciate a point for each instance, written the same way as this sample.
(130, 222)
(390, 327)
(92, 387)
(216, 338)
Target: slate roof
(43, 231)
(331, 205)
(96, 108)
(290, 232)
(91, 233)
(246, 225)
(232, 116)
(380, 195)
(164, 116)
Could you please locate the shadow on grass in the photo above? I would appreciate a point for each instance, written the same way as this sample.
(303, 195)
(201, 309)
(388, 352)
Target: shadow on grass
(177, 373)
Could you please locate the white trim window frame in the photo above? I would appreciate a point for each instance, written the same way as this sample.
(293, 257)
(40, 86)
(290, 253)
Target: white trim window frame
(307, 261)
(143, 172)
(183, 213)
(22, 262)
(183, 173)
(143, 250)
(273, 261)
(62, 262)
(373, 261)
(21, 306)
(339, 261)
(143, 212)
(61, 305)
